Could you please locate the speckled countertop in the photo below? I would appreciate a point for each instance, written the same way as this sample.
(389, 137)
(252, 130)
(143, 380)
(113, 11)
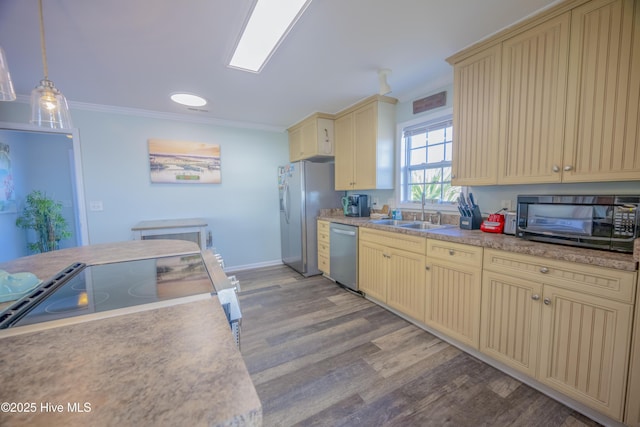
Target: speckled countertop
(175, 365)
(505, 242)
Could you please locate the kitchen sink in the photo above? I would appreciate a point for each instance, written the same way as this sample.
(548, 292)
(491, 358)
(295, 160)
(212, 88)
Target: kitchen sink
(393, 222)
(424, 226)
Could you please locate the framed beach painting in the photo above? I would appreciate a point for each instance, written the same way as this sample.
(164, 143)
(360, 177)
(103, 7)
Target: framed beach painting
(184, 162)
(7, 194)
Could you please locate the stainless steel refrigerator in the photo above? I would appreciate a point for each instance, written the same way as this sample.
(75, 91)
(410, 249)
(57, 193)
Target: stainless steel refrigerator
(305, 188)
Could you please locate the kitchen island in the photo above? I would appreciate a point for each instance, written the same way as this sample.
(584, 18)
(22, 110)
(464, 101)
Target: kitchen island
(170, 365)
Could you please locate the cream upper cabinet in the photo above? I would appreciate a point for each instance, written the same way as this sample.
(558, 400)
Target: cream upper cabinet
(476, 90)
(364, 145)
(453, 287)
(312, 138)
(602, 140)
(554, 98)
(533, 96)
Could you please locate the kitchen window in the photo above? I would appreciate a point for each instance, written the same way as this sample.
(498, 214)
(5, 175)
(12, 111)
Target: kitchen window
(425, 163)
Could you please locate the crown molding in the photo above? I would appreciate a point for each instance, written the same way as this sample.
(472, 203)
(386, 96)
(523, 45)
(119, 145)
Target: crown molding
(111, 109)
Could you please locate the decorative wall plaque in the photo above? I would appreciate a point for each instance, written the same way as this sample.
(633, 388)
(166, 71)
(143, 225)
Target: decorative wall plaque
(430, 102)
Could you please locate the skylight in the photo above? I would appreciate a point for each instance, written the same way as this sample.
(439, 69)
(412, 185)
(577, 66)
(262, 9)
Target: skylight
(269, 22)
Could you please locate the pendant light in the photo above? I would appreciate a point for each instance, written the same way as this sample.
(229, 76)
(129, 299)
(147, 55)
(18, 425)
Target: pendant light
(6, 86)
(48, 105)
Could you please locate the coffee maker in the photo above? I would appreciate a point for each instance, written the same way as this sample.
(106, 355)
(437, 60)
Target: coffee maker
(356, 205)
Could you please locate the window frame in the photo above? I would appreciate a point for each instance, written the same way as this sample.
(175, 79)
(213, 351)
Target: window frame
(432, 118)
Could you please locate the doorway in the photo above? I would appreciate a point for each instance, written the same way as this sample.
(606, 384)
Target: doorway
(35, 159)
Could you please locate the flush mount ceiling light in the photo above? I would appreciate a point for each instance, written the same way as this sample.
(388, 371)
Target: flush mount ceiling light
(269, 23)
(6, 86)
(188, 99)
(48, 105)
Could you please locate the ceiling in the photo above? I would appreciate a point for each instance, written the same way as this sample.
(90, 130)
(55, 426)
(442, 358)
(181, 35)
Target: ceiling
(135, 53)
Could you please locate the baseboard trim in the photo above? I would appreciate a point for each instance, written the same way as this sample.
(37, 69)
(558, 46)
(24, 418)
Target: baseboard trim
(235, 268)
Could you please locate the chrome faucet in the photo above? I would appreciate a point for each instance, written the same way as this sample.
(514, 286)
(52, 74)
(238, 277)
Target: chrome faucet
(422, 216)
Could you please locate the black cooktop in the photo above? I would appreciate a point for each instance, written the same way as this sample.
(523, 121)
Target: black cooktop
(82, 289)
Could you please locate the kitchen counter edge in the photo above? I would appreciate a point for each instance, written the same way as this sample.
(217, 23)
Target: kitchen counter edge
(616, 260)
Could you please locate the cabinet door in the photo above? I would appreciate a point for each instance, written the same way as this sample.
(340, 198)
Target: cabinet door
(453, 300)
(602, 139)
(510, 323)
(406, 283)
(372, 270)
(309, 139)
(365, 138)
(632, 417)
(534, 85)
(344, 149)
(584, 348)
(295, 145)
(476, 89)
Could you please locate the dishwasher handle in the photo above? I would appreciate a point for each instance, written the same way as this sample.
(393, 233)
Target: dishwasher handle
(345, 232)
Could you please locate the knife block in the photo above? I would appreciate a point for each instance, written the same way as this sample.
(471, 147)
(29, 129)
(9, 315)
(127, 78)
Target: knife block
(471, 222)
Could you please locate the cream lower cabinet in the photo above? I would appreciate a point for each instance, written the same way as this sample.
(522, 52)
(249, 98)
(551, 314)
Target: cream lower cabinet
(392, 270)
(632, 417)
(453, 286)
(510, 324)
(324, 254)
(578, 315)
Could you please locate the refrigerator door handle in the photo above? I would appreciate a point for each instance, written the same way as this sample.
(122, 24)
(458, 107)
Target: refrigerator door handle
(285, 201)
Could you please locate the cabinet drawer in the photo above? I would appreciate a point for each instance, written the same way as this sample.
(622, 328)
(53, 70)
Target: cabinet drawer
(323, 249)
(323, 232)
(471, 256)
(323, 263)
(405, 242)
(599, 281)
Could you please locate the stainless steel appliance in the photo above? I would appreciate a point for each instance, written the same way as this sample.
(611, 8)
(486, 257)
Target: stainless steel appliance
(601, 222)
(304, 188)
(343, 246)
(357, 205)
(510, 220)
(82, 290)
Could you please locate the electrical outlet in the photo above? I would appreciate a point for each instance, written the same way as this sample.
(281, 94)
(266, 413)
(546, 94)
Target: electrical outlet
(95, 205)
(375, 201)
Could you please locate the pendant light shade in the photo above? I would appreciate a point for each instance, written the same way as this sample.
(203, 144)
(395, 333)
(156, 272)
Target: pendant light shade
(49, 107)
(6, 86)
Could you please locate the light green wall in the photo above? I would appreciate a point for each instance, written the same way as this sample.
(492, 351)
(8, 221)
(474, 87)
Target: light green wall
(242, 211)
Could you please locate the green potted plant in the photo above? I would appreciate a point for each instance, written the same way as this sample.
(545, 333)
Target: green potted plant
(43, 215)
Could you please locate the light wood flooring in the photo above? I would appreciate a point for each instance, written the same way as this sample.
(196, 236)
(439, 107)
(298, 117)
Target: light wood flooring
(322, 356)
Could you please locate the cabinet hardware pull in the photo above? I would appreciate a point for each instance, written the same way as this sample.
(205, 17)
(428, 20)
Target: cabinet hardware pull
(535, 297)
(453, 175)
(426, 267)
(547, 301)
(556, 168)
(544, 270)
(451, 252)
(568, 168)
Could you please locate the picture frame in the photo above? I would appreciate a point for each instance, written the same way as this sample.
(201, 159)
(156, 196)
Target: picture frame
(184, 162)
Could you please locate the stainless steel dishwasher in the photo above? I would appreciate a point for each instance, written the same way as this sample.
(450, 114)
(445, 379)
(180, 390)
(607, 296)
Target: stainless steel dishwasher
(344, 255)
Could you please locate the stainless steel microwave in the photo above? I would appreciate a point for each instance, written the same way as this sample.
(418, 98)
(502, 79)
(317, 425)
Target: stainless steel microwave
(600, 222)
